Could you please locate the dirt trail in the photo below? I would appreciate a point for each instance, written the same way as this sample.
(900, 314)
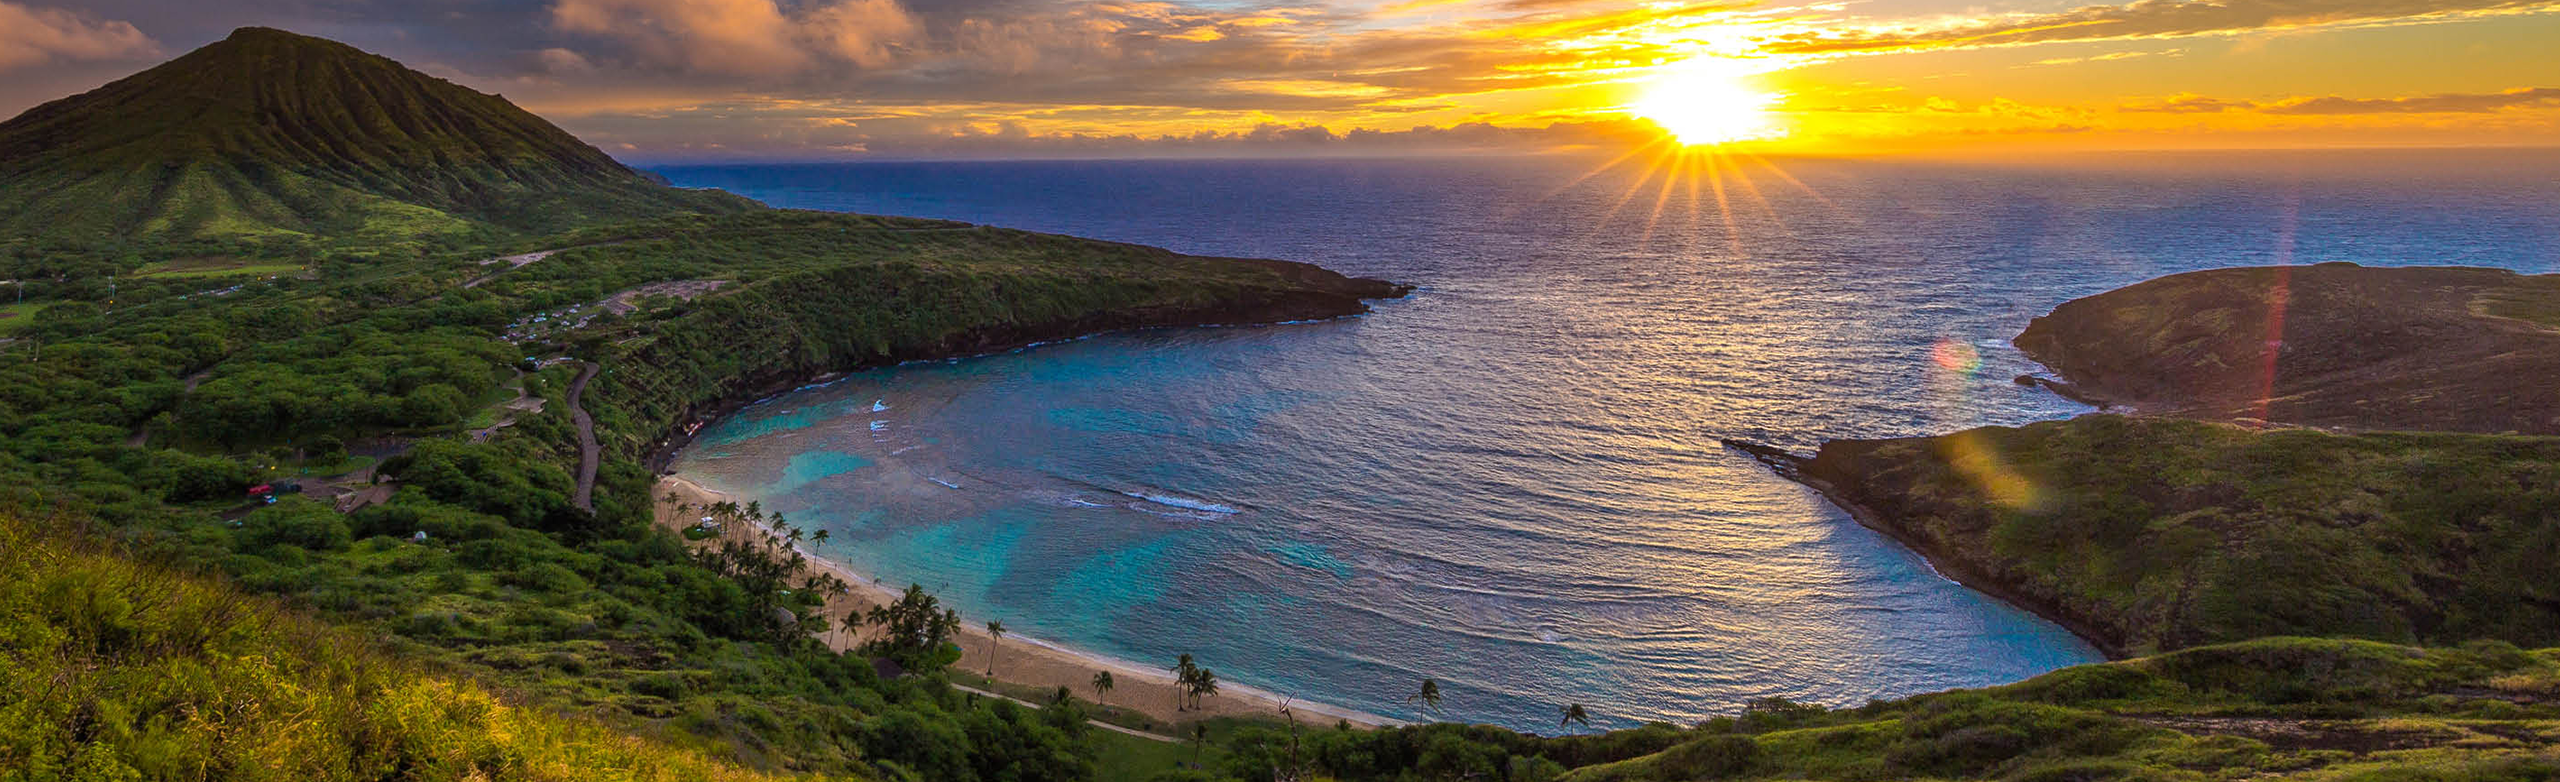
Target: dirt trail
(525, 402)
(1096, 723)
(588, 450)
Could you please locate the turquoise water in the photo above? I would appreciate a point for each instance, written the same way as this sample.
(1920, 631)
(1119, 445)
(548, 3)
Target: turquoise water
(1511, 481)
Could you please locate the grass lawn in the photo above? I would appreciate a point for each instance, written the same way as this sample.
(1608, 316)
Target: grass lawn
(214, 267)
(1122, 756)
(17, 316)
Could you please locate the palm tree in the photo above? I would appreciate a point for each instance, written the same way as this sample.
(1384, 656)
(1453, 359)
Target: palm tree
(1060, 696)
(1199, 738)
(820, 539)
(995, 629)
(1205, 682)
(1574, 713)
(1184, 671)
(1429, 696)
(1101, 685)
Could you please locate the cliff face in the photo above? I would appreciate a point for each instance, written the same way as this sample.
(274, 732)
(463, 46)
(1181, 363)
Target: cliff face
(2332, 345)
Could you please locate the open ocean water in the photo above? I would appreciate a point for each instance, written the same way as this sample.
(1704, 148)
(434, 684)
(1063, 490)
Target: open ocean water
(1511, 482)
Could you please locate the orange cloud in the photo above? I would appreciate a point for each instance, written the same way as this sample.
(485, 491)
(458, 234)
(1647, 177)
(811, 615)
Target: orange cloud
(2149, 19)
(745, 37)
(30, 36)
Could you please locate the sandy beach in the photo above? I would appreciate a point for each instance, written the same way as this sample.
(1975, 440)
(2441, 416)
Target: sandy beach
(1025, 661)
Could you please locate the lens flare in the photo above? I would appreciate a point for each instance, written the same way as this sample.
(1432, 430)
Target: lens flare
(1954, 356)
(1978, 460)
(1708, 100)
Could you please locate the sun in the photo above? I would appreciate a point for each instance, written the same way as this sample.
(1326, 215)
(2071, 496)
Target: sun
(1708, 100)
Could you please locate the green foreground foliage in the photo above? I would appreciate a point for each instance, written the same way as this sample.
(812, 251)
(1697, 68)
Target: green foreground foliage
(119, 670)
(2277, 708)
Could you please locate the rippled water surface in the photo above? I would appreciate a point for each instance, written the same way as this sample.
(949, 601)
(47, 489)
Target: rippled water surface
(1511, 481)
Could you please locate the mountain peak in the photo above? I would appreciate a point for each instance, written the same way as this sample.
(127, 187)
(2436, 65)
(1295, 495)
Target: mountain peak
(269, 134)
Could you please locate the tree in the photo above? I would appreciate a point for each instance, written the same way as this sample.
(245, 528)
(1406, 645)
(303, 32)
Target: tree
(1101, 685)
(995, 643)
(914, 629)
(819, 538)
(1183, 672)
(1429, 695)
(1574, 713)
(1199, 738)
(1061, 696)
(1203, 682)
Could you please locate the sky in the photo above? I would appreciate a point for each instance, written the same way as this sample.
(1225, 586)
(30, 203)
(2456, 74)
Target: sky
(709, 80)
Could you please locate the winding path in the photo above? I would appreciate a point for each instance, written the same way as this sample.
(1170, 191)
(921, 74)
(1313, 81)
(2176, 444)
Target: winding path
(588, 451)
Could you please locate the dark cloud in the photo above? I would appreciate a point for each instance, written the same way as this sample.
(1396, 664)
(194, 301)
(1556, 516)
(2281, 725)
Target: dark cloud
(2148, 19)
(926, 138)
(2441, 103)
(2451, 103)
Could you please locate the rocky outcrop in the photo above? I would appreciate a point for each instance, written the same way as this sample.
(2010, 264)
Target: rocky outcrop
(2333, 345)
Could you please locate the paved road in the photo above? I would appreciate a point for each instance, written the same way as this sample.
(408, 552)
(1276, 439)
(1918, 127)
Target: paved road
(588, 451)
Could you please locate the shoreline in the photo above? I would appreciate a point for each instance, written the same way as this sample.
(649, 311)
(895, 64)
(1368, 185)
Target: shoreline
(1791, 467)
(1022, 660)
(659, 455)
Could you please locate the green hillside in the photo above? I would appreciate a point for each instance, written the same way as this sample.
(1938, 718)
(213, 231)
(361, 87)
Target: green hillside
(119, 670)
(2161, 533)
(269, 138)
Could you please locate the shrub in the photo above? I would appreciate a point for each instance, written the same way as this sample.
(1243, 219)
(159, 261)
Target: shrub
(295, 521)
(1713, 757)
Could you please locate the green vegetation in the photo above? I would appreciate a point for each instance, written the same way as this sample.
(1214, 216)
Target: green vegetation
(2284, 708)
(2332, 345)
(2164, 533)
(159, 623)
(269, 142)
(513, 587)
(215, 267)
(121, 670)
(15, 316)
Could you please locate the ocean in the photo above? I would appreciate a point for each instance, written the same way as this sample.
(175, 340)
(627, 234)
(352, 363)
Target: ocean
(1511, 482)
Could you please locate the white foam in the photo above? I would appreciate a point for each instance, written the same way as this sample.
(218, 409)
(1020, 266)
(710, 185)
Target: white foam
(945, 484)
(1183, 502)
(879, 425)
(878, 405)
